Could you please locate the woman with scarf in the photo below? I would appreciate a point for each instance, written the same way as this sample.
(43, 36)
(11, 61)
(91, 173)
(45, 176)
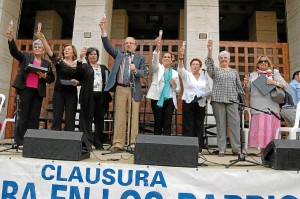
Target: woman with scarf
(163, 91)
(263, 126)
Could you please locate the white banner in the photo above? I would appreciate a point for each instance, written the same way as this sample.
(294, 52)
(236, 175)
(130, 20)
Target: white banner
(34, 178)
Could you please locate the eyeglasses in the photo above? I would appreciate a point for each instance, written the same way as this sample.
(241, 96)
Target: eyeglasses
(263, 61)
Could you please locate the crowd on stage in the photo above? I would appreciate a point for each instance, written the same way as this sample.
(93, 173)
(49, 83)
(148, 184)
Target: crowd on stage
(227, 95)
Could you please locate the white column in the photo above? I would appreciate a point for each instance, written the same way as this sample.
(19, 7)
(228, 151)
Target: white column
(9, 10)
(293, 28)
(87, 17)
(201, 17)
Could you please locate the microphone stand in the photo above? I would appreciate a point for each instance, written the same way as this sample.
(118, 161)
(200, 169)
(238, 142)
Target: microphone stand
(133, 90)
(241, 156)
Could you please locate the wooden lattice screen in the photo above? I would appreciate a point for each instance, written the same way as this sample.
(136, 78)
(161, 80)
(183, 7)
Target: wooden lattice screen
(243, 58)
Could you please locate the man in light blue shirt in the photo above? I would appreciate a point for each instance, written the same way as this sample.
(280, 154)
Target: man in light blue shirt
(293, 89)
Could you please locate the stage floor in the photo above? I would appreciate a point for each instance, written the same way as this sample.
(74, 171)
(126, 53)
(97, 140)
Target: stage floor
(207, 159)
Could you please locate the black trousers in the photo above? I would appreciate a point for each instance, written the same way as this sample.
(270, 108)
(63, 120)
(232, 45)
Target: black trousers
(64, 101)
(193, 121)
(28, 114)
(162, 116)
(94, 113)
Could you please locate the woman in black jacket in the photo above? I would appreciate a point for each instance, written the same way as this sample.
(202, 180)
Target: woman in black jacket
(65, 90)
(30, 85)
(93, 100)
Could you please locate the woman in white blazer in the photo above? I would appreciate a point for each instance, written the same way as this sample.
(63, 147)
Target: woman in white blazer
(163, 91)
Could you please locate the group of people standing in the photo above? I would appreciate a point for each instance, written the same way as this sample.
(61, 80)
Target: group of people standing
(70, 73)
(97, 81)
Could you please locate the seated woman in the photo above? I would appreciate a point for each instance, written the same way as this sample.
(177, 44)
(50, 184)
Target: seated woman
(193, 111)
(163, 91)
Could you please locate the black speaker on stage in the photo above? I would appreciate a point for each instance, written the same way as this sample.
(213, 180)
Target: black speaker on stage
(282, 155)
(57, 145)
(162, 150)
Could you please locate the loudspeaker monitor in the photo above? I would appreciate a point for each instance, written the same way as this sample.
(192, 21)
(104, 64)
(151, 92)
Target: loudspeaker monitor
(282, 155)
(162, 150)
(57, 145)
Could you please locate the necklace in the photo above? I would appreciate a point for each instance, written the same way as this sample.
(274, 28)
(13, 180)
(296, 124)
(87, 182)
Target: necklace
(69, 63)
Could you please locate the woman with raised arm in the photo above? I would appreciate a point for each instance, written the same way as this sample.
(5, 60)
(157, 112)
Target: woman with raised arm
(227, 90)
(195, 85)
(65, 89)
(30, 85)
(94, 101)
(163, 91)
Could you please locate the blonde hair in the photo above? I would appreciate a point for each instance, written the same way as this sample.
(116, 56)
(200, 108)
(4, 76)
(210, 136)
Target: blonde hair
(74, 51)
(270, 64)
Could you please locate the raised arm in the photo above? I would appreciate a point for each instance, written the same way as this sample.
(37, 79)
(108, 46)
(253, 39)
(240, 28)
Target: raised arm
(106, 43)
(47, 48)
(156, 53)
(79, 66)
(102, 26)
(209, 63)
(12, 44)
(181, 70)
(181, 56)
(209, 49)
(158, 43)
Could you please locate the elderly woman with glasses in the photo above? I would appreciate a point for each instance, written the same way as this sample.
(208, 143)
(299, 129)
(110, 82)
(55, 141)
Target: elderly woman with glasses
(226, 89)
(263, 126)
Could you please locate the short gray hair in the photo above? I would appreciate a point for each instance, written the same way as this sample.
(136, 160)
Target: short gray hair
(38, 42)
(224, 52)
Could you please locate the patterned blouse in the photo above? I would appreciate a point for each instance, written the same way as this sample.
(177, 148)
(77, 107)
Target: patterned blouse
(226, 83)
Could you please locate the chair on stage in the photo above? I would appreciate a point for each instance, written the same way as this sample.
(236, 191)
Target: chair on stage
(209, 125)
(291, 130)
(2, 99)
(246, 127)
(2, 132)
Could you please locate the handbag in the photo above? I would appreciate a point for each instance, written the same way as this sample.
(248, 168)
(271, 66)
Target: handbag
(278, 95)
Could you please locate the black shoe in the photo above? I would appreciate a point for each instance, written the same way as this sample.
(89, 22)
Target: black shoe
(101, 148)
